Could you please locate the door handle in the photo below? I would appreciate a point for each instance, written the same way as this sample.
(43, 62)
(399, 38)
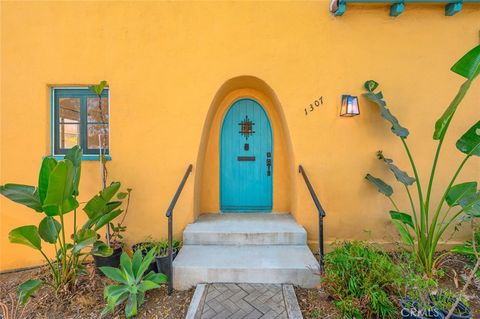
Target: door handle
(269, 165)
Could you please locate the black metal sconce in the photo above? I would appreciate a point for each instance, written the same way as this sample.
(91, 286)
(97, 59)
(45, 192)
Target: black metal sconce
(349, 106)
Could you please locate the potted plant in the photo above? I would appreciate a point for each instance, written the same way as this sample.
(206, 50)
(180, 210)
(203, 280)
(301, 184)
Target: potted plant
(144, 247)
(445, 299)
(417, 303)
(162, 260)
(160, 263)
(116, 237)
(412, 309)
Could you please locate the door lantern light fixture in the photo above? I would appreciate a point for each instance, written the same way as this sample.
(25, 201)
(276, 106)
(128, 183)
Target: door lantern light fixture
(349, 106)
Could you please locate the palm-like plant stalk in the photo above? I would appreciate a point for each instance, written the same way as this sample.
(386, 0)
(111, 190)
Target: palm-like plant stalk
(423, 228)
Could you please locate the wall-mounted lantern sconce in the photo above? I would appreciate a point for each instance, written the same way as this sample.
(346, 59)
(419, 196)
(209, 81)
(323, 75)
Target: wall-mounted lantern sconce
(349, 106)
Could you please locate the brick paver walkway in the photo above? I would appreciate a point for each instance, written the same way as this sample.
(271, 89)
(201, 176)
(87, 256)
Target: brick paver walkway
(246, 301)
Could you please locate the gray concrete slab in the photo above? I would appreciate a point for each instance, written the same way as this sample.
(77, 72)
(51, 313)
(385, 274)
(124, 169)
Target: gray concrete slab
(244, 264)
(245, 229)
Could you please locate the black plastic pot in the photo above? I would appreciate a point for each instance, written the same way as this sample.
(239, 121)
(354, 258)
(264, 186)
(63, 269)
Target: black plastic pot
(409, 311)
(163, 265)
(466, 312)
(112, 261)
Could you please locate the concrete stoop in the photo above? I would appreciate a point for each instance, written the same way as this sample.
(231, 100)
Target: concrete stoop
(245, 248)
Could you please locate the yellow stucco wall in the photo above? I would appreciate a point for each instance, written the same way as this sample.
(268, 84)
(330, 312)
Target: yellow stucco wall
(168, 65)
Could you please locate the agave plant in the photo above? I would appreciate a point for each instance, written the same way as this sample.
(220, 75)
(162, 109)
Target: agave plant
(424, 225)
(132, 284)
(54, 197)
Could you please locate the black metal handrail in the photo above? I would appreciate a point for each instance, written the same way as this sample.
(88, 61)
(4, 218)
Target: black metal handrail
(321, 215)
(169, 214)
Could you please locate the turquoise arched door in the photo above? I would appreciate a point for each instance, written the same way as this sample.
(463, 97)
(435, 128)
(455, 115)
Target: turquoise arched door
(246, 159)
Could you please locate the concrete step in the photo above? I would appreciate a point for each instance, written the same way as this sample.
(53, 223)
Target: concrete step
(245, 229)
(274, 264)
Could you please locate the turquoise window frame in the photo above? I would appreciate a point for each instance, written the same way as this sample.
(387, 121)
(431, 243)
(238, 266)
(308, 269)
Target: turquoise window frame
(82, 93)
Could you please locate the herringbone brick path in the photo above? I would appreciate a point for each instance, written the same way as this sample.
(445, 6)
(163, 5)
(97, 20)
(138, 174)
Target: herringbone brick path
(244, 301)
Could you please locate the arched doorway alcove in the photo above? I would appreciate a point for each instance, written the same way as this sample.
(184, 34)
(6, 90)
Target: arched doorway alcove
(207, 177)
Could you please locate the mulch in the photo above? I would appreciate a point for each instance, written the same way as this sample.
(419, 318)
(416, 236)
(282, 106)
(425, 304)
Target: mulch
(87, 300)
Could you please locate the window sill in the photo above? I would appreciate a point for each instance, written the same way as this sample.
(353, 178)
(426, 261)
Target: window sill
(84, 157)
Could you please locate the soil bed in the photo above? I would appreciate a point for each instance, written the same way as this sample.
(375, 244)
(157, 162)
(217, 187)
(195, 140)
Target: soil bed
(315, 303)
(87, 301)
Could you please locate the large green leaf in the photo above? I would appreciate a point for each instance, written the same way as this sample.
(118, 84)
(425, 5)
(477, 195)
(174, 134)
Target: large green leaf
(469, 143)
(456, 193)
(131, 307)
(442, 123)
(75, 156)
(85, 237)
(101, 249)
(147, 285)
(105, 219)
(469, 65)
(111, 206)
(402, 217)
(115, 274)
(404, 233)
(397, 129)
(95, 207)
(26, 235)
(400, 175)
(22, 194)
(59, 199)
(115, 294)
(49, 229)
(99, 204)
(48, 164)
(136, 262)
(108, 192)
(140, 298)
(26, 289)
(382, 187)
(126, 267)
(158, 278)
(471, 204)
(145, 263)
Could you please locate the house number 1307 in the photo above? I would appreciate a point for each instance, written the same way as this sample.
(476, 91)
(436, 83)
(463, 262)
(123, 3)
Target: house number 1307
(314, 105)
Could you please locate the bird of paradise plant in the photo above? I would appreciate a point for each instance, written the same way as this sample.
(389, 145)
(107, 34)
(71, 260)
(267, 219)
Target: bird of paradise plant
(54, 197)
(425, 224)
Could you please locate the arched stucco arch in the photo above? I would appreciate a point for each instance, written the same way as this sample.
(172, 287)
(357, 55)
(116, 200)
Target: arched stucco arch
(206, 192)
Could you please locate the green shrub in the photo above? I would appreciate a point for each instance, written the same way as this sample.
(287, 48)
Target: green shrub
(444, 299)
(363, 280)
(131, 283)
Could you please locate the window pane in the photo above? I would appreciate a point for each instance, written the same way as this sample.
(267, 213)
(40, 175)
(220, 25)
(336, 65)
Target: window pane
(69, 135)
(94, 131)
(69, 110)
(95, 114)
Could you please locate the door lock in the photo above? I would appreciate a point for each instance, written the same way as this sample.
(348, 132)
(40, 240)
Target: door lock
(269, 165)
